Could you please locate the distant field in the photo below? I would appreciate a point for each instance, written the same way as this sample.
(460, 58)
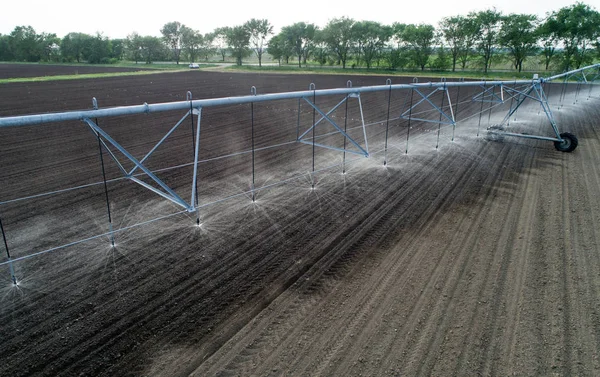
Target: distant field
(9, 71)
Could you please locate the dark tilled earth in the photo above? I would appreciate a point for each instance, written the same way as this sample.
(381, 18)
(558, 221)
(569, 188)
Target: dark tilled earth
(9, 71)
(480, 256)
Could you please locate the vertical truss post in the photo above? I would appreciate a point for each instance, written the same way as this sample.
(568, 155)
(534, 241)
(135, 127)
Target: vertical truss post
(110, 224)
(491, 102)
(196, 153)
(437, 144)
(387, 121)
(362, 120)
(298, 122)
(481, 109)
(512, 100)
(348, 85)
(11, 268)
(462, 79)
(253, 92)
(195, 197)
(412, 90)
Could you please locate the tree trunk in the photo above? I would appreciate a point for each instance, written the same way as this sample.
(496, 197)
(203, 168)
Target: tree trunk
(300, 61)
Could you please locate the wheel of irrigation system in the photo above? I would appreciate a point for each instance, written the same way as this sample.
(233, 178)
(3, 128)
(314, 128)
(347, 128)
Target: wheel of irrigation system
(568, 144)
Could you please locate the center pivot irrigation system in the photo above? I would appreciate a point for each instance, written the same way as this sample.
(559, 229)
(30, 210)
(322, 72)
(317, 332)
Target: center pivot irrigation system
(421, 94)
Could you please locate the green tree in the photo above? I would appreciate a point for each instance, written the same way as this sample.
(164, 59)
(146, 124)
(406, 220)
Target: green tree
(74, 45)
(338, 36)
(460, 34)
(97, 50)
(191, 42)
(118, 48)
(371, 37)
(259, 31)
(238, 40)
(276, 47)
(548, 41)
(420, 39)
(576, 27)
(220, 40)
(280, 48)
(443, 59)
(49, 46)
(396, 52)
(171, 33)
(300, 39)
(207, 48)
(320, 51)
(133, 47)
(518, 34)
(5, 53)
(151, 49)
(488, 24)
(24, 44)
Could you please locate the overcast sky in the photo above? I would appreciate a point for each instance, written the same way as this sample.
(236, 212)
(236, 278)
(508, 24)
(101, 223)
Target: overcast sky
(117, 19)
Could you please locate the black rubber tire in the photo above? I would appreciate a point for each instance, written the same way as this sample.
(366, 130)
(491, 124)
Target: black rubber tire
(569, 143)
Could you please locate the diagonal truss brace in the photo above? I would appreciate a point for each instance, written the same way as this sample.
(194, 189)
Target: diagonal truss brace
(444, 117)
(166, 191)
(536, 93)
(489, 94)
(325, 116)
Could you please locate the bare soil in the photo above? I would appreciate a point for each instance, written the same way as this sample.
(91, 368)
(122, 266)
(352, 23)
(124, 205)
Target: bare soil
(12, 70)
(479, 257)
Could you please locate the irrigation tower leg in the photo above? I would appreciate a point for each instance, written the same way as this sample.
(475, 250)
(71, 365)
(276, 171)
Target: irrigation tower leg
(298, 122)
(444, 93)
(198, 111)
(480, 111)
(110, 224)
(362, 120)
(387, 125)
(409, 118)
(456, 108)
(345, 130)
(189, 95)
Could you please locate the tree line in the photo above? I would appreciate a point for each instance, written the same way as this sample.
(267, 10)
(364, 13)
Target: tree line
(566, 39)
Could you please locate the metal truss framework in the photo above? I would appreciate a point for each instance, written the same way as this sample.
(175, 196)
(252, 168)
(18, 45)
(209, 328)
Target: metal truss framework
(517, 91)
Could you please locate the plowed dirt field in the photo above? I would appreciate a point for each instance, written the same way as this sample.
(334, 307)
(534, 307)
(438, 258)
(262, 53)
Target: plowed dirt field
(479, 257)
(9, 71)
